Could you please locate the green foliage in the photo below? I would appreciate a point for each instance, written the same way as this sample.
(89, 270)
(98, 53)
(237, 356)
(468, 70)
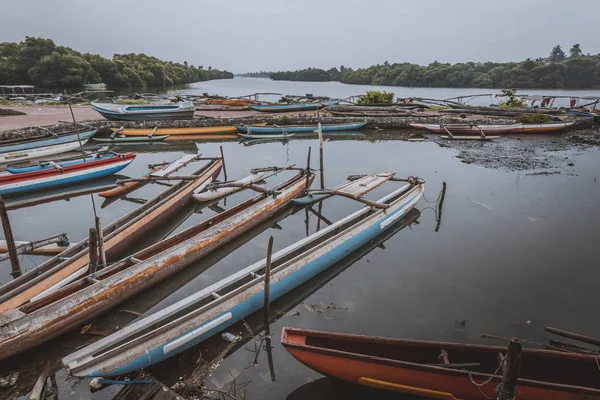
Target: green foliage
(284, 118)
(578, 73)
(575, 51)
(376, 97)
(41, 62)
(309, 75)
(132, 102)
(533, 118)
(512, 101)
(557, 54)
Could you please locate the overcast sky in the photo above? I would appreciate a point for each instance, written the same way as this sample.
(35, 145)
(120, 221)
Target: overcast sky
(252, 35)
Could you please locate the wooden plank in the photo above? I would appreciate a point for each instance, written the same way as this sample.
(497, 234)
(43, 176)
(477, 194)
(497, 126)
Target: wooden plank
(38, 392)
(175, 165)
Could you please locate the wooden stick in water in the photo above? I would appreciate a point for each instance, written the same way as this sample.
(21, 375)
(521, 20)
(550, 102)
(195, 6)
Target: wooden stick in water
(10, 241)
(574, 336)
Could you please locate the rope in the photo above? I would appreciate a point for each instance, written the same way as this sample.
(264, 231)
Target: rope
(480, 385)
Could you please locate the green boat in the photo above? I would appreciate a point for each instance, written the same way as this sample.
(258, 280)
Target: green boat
(131, 139)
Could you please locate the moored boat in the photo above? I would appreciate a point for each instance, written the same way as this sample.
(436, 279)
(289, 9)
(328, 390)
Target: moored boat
(200, 130)
(209, 193)
(118, 112)
(283, 135)
(120, 237)
(43, 165)
(420, 368)
(66, 308)
(188, 322)
(493, 129)
(275, 108)
(299, 128)
(134, 139)
(56, 175)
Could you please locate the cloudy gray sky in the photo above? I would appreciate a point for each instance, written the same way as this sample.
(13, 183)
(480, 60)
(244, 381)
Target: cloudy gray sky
(245, 35)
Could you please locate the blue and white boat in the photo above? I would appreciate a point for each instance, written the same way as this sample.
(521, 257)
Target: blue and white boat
(261, 130)
(43, 145)
(48, 165)
(124, 112)
(164, 334)
(275, 108)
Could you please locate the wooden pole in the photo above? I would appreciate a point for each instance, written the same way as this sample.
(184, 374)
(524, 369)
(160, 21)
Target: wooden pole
(439, 208)
(38, 392)
(574, 336)
(75, 123)
(307, 170)
(101, 252)
(10, 241)
(512, 366)
(93, 250)
(267, 282)
(223, 158)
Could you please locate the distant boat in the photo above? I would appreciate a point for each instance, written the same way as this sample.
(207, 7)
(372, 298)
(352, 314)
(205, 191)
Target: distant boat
(200, 130)
(95, 86)
(441, 370)
(294, 106)
(118, 112)
(299, 128)
(267, 136)
(43, 145)
(59, 176)
(493, 129)
(141, 139)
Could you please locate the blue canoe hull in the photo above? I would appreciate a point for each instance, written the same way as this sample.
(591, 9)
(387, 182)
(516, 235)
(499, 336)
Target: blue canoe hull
(62, 164)
(50, 141)
(294, 107)
(64, 180)
(277, 289)
(300, 129)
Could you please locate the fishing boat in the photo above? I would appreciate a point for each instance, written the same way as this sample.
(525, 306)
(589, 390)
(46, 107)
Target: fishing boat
(210, 193)
(126, 139)
(299, 128)
(43, 145)
(472, 137)
(190, 321)
(230, 102)
(118, 112)
(44, 165)
(47, 177)
(366, 181)
(201, 130)
(67, 307)
(493, 129)
(276, 108)
(121, 238)
(283, 135)
(441, 370)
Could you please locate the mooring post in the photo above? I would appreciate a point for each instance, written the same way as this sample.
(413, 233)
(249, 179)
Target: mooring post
(101, 252)
(307, 170)
(10, 241)
(93, 250)
(439, 208)
(267, 281)
(512, 366)
(223, 159)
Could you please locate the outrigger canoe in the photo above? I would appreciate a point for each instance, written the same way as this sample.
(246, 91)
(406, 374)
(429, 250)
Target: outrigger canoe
(72, 305)
(210, 193)
(176, 328)
(299, 128)
(153, 112)
(44, 165)
(441, 370)
(275, 108)
(55, 175)
(201, 130)
(267, 135)
(493, 129)
(131, 139)
(119, 238)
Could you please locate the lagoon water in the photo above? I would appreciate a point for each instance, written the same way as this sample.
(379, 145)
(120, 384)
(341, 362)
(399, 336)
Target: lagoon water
(514, 252)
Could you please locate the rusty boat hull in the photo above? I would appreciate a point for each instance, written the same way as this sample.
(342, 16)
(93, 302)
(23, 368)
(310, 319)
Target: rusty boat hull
(415, 367)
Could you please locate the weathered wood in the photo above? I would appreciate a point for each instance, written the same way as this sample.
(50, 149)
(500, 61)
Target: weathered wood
(101, 252)
(267, 282)
(38, 392)
(31, 247)
(574, 336)
(440, 207)
(151, 178)
(307, 170)
(93, 250)
(223, 159)
(10, 241)
(508, 388)
(252, 186)
(350, 196)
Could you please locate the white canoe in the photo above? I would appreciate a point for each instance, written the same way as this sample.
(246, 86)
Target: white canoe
(207, 195)
(40, 152)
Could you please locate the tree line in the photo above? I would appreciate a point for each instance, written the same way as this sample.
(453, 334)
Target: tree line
(559, 70)
(40, 61)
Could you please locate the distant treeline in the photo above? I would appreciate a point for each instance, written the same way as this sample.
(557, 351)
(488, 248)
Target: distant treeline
(261, 74)
(311, 74)
(558, 70)
(41, 62)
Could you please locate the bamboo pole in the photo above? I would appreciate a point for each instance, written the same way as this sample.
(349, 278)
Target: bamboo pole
(267, 282)
(307, 170)
(101, 252)
(75, 123)
(29, 247)
(440, 206)
(10, 241)
(575, 336)
(93, 250)
(223, 159)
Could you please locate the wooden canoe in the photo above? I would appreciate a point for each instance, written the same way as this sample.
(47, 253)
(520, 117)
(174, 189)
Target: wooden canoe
(72, 305)
(213, 194)
(192, 320)
(472, 137)
(416, 367)
(277, 108)
(131, 139)
(201, 130)
(120, 237)
(170, 111)
(493, 129)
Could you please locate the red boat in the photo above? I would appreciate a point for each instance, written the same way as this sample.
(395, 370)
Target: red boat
(442, 370)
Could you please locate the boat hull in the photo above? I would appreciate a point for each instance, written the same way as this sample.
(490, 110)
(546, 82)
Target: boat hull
(131, 139)
(70, 312)
(299, 129)
(198, 328)
(293, 107)
(116, 112)
(493, 129)
(43, 179)
(6, 150)
(202, 130)
(425, 380)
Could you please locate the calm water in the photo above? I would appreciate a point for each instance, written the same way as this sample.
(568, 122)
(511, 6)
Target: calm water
(511, 248)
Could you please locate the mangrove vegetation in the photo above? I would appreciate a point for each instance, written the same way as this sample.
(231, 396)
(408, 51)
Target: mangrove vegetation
(39, 61)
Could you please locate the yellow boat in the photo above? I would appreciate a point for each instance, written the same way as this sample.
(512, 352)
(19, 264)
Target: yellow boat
(201, 130)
